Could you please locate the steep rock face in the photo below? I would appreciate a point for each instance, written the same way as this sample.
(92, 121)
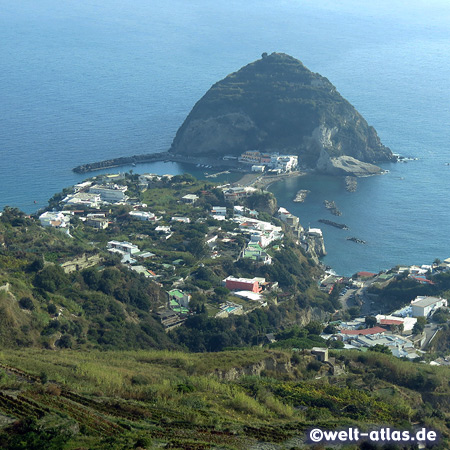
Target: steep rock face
(345, 165)
(277, 104)
(316, 247)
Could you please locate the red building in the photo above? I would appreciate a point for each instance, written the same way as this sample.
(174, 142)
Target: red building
(243, 284)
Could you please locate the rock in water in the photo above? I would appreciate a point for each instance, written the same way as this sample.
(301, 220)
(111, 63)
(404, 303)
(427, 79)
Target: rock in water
(277, 104)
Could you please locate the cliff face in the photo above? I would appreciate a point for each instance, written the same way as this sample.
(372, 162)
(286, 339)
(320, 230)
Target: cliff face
(277, 104)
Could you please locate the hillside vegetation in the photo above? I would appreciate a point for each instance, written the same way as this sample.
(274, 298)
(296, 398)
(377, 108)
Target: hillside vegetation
(234, 400)
(67, 291)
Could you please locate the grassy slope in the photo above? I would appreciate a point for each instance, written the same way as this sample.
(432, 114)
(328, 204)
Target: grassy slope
(159, 398)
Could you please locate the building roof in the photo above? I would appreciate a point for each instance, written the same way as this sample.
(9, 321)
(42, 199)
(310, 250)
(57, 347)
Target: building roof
(176, 293)
(366, 274)
(423, 280)
(364, 332)
(249, 295)
(423, 302)
(391, 322)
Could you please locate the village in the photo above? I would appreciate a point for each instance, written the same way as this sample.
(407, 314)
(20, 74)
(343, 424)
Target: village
(139, 217)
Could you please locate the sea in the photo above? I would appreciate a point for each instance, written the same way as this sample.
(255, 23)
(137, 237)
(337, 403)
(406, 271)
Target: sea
(82, 81)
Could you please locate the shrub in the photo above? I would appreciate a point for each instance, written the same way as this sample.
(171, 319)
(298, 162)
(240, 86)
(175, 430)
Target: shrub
(65, 342)
(26, 303)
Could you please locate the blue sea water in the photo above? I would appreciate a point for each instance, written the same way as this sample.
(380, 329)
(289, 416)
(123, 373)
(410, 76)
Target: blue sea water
(90, 80)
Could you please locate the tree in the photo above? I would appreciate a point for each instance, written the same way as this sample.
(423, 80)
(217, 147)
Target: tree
(354, 311)
(330, 329)
(197, 247)
(370, 321)
(333, 343)
(36, 265)
(51, 278)
(419, 326)
(65, 341)
(381, 349)
(314, 328)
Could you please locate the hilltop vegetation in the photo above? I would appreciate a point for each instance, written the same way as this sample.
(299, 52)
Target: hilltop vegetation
(277, 104)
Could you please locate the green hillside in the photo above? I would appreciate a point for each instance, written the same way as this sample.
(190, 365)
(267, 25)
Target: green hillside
(232, 400)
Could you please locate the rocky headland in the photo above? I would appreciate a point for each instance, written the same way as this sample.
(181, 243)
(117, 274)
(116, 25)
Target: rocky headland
(277, 104)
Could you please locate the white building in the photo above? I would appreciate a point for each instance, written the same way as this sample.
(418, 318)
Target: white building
(123, 247)
(163, 229)
(236, 193)
(54, 219)
(100, 223)
(190, 198)
(83, 199)
(425, 306)
(407, 322)
(181, 219)
(314, 232)
(143, 215)
(81, 186)
(258, 168)
(283, 163)
(110, 193)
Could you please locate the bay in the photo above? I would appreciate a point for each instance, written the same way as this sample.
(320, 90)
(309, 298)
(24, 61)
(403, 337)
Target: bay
(85, 81)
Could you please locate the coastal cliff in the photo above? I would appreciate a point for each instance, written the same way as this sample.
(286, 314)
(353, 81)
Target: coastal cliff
(277, 104)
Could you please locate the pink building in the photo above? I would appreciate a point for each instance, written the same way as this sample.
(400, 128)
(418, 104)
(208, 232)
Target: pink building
(243, 284)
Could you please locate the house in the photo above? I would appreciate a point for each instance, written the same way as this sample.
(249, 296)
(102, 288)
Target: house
(320, 353)
(190, 198)
(349, 334)
(394, 322)
(87, 199)
(283, 163)
(123, 247)
(258, 168)
(256, 253)
(425, 306)
(82, 186)
(54, 219)
(244, 284)
(181, 219)
(144, 255)
(250, 157)
(219, 212)
(163, 229)
(100, 223)
(179, 297)
(142, 215)
(236, 193)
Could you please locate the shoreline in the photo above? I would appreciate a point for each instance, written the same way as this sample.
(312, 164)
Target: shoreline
(263, 181)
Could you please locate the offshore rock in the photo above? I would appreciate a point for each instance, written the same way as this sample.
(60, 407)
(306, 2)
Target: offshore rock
(276, 104)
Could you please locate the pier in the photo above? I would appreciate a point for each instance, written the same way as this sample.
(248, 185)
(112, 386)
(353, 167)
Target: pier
(155, 157)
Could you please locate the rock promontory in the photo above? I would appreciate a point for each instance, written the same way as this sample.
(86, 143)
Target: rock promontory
(276, 104)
